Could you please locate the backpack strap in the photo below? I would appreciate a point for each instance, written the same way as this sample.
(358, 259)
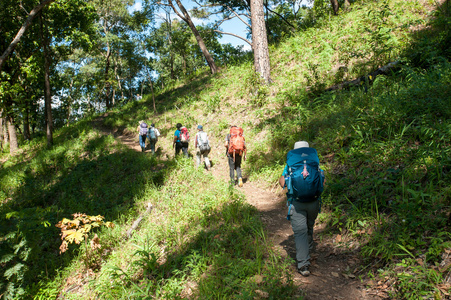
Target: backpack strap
(290, 194)
(199, 139)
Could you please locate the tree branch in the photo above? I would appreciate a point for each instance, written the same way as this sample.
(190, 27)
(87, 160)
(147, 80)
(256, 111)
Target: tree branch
(34, 12)
(238, 16)
(280, 16)
(177, 12)
(235, 35)
(136, 223)
(370, 77)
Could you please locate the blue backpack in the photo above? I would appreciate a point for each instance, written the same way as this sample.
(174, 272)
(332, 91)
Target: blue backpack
(305, 176)
(152, 135)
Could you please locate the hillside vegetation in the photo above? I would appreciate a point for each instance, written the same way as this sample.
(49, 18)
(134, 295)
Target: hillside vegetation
(384, 143)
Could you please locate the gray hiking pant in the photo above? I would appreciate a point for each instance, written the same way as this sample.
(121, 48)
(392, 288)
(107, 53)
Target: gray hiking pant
(234, 165)
(302, 222)
(204, 154)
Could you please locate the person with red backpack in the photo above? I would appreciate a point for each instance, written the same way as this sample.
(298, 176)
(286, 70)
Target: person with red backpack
(304, 181)
(181, 140)
(236, 151)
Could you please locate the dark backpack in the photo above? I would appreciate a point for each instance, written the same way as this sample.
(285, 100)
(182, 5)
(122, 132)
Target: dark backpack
(143, 128)
(305, 178)
(152, 135)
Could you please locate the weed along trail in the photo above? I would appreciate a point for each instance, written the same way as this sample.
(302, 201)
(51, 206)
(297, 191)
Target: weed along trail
(334, 269)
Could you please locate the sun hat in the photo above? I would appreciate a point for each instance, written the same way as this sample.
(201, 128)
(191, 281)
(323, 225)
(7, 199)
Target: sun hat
(301, 144)
(199, 127)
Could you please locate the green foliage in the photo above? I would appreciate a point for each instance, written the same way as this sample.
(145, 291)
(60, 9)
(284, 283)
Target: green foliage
(255, 88)
(211, 237)
(78, 175)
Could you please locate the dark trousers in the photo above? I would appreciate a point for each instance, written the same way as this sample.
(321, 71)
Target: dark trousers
(181, 146)
(234, 165)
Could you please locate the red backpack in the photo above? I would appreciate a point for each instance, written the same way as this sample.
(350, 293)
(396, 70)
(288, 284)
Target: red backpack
(236, 143)
(184, 135)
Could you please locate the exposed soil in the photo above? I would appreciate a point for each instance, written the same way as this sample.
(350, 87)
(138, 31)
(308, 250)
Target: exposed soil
(334, 273)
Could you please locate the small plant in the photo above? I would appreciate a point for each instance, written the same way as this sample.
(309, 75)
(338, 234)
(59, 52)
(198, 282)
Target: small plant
(77, 230)
(213, 103)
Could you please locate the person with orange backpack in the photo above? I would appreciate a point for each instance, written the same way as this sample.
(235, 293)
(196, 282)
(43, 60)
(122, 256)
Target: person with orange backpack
(236, 152)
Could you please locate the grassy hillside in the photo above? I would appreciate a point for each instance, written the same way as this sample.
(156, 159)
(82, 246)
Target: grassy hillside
(385, 145)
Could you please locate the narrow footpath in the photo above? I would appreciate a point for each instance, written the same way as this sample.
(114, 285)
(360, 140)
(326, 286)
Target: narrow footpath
(334, 270)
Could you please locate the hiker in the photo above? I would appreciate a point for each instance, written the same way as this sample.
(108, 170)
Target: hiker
(236, 151)
(142, 130)
(181, 140)
(202, 145)
(153, 135)
(305, 182)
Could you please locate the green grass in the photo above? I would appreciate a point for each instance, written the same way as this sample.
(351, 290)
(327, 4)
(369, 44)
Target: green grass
(384, 145)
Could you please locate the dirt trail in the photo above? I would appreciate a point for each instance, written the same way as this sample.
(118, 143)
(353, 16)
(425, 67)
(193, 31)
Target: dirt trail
(332, 270)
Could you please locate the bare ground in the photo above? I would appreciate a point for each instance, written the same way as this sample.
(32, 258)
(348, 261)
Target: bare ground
(334, 269)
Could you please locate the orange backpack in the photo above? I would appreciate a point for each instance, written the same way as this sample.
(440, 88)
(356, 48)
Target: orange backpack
(236, 143)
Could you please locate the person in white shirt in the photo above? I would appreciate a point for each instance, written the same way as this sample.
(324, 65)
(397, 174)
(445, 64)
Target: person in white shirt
(202, 146)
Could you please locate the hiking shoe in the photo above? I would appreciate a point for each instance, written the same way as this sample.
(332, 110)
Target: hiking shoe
(240, 182)
(304, 271)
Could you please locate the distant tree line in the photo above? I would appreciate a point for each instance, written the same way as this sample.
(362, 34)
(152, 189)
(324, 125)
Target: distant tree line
(63, 59)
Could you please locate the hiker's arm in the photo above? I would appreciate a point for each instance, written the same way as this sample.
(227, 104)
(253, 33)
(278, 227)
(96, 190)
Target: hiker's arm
(282, 181)
(195, 142)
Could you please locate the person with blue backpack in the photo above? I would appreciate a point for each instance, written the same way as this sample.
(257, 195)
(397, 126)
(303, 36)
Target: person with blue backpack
(153, 135)
(304, 181)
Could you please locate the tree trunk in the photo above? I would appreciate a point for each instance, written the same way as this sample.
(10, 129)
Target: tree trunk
(26, 124)
(107, 86)
(334, 4)
(153, 95)
(171, 50)
(2, 131)
(200, 41)
(346, 4)
(71, 100)
(33, 13)
(260, 40)
(47, 90)
(13, 144)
